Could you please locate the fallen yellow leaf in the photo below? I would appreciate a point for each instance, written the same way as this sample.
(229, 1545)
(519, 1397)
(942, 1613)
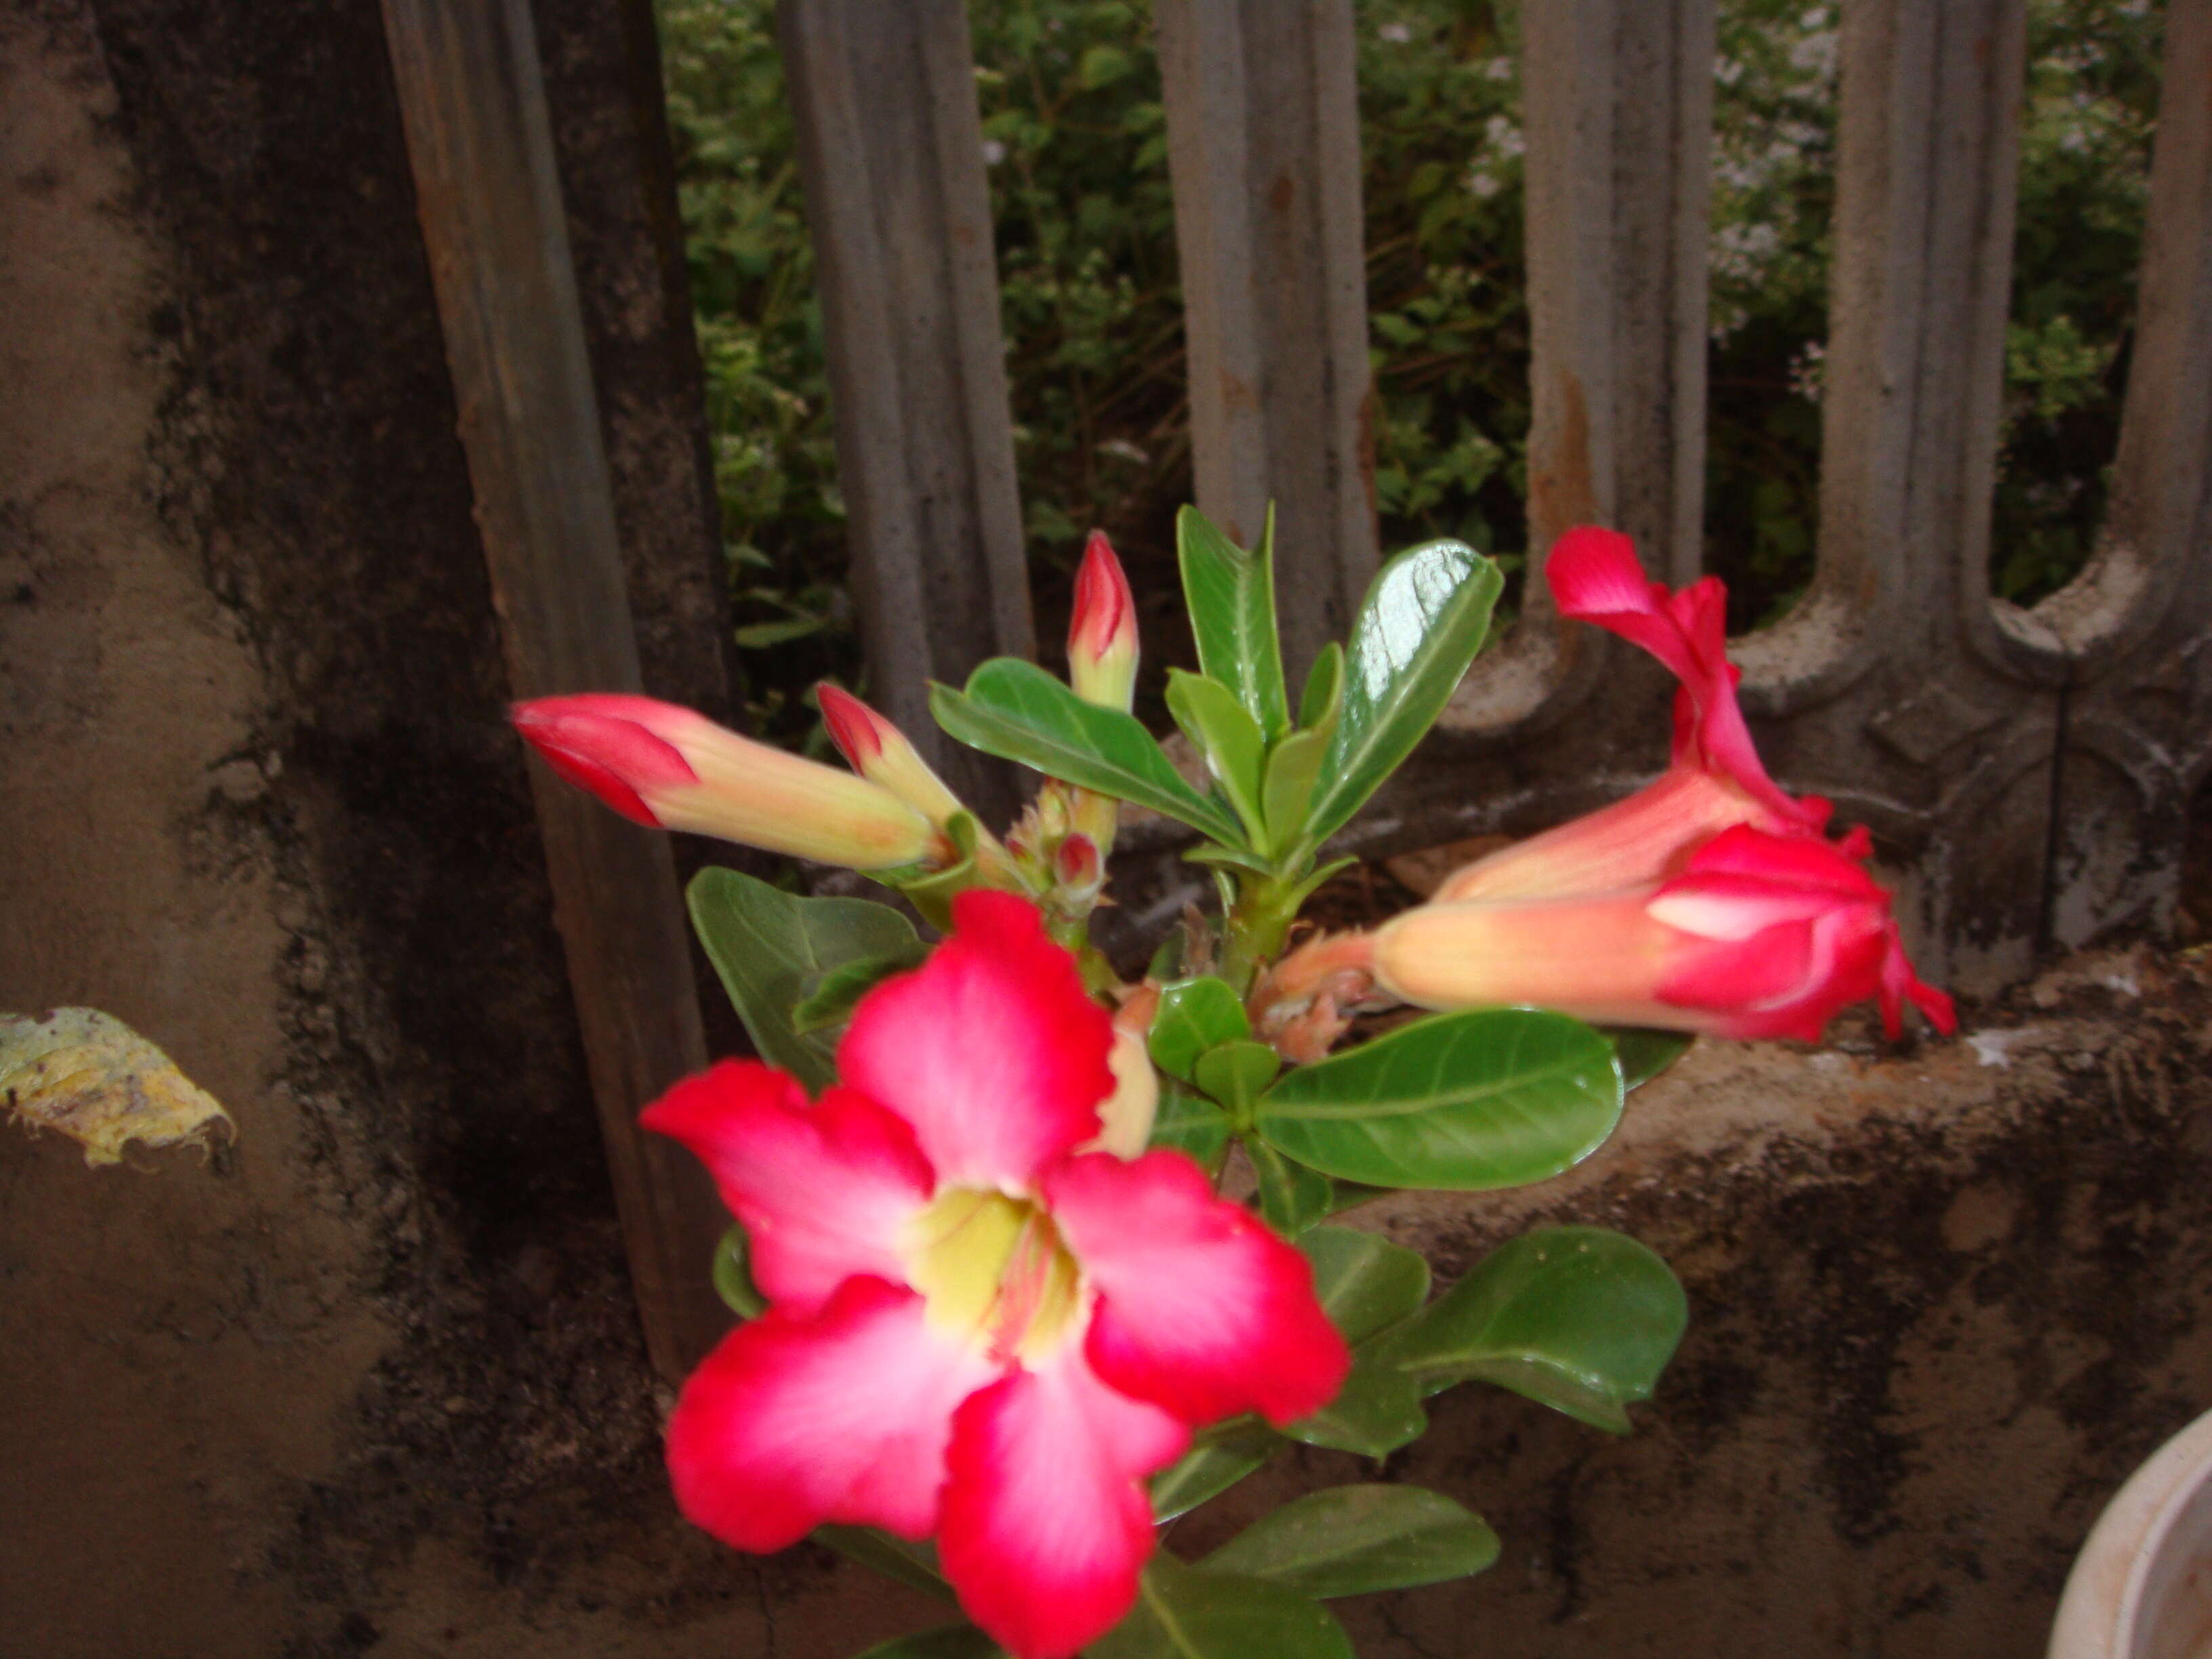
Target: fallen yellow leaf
(97, 1081)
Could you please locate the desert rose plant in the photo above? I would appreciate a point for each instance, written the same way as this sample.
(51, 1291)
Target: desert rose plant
(1001, 1322)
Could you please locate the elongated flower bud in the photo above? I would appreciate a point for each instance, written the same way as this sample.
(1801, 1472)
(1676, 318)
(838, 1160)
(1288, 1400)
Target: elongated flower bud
(1101, 634)
(1760, 936)
(664, 766)
(881, 753)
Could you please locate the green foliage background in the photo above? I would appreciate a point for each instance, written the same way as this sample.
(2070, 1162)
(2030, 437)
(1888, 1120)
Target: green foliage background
(1077, 151)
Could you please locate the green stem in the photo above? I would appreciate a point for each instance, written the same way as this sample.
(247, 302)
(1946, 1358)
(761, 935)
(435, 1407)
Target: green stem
(1255, 927)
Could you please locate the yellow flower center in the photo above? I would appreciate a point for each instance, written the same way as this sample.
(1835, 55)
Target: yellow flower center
(992, 1269)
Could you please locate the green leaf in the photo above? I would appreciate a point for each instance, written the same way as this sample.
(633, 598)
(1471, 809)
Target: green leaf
(1322, 700)
(1235, 1073)
(1194, 1015)
(1377, 1410)
(945, 1642)
(1423, 621)
(1292, 1196)
(1353, 1540)
(1102, 66)
(734, 1276)
(837, 989)
(1293, 767)
(1462, 1103)
(912, 1565)
(768, 946)
(1645, 1053)
(1364, 1283)
(1183, 1613)
(1017, 711)
(1191, 1123)
(1581, 1319)
(1231, 595)
(1222, 1456)
(1227, 736)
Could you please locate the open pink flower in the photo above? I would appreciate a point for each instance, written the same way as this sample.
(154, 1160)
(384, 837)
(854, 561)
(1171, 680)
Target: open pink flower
(1715, 780)
(976, 1331)
(1758, 936)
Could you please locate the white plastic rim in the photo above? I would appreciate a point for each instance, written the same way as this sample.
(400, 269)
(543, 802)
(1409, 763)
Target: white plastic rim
(2141, 1588)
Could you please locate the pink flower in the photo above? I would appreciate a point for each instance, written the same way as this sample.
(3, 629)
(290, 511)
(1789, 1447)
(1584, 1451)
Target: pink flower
(1715, 780)
(1759, 935)
(977, 1331)
(671, 768)
(1102, 633)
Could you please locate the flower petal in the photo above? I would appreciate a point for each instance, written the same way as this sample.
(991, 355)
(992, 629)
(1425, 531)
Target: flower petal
(792, 1422)
(1046, 1523)
(1596, 578)
(823, 1190)
(1647, 837)
(990, 1049)
(1200, 1309)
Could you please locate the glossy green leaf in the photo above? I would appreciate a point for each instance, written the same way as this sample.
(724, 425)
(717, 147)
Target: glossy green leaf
(768, 946)
(1229, 737)
(1462, 1103)
(1191, 1123)
(1323, 696)
(945, 1642)
(1017, 711)
(1353, 1540)
(1292, 1196)
(836, 991)
(1421, 626)
(912, 1565)
(1377, 1410)
(1581, 1319)
(1364, 1283)
(1183, 1613)
(734, 1276)
(1293, 769)
(1232, 595)
(1234, 1072)
(1194, 1014)
(1217, 1460)
(1645, 1053)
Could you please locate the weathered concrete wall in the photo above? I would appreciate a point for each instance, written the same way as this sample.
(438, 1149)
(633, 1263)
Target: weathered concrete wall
(371, 1384)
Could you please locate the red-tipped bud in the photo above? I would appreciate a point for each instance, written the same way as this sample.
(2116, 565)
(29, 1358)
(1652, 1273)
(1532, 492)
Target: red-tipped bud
(881, 753)
(671, 769)
(1077, 867)
(1101, 634)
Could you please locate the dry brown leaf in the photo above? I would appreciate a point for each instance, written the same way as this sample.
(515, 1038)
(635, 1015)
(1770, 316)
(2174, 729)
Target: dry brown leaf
(97, 1081)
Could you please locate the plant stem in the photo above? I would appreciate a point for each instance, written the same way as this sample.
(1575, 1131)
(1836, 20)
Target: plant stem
(1256, 926)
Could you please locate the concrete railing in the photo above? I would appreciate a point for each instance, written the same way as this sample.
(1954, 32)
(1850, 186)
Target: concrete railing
(2026, 772)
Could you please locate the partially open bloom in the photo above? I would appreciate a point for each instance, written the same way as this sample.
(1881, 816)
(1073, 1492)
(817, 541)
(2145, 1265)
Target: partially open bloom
(1715, 780)
(1759, 935)
(1102, 631)
(669, 768)
(977, 1331)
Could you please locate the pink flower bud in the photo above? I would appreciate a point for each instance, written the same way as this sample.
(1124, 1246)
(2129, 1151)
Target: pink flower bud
(673, 770)
(881, 753)
(1076, 867)
(1101, 634)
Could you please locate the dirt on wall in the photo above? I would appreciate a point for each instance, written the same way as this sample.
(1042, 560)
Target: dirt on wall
(370, 1382)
